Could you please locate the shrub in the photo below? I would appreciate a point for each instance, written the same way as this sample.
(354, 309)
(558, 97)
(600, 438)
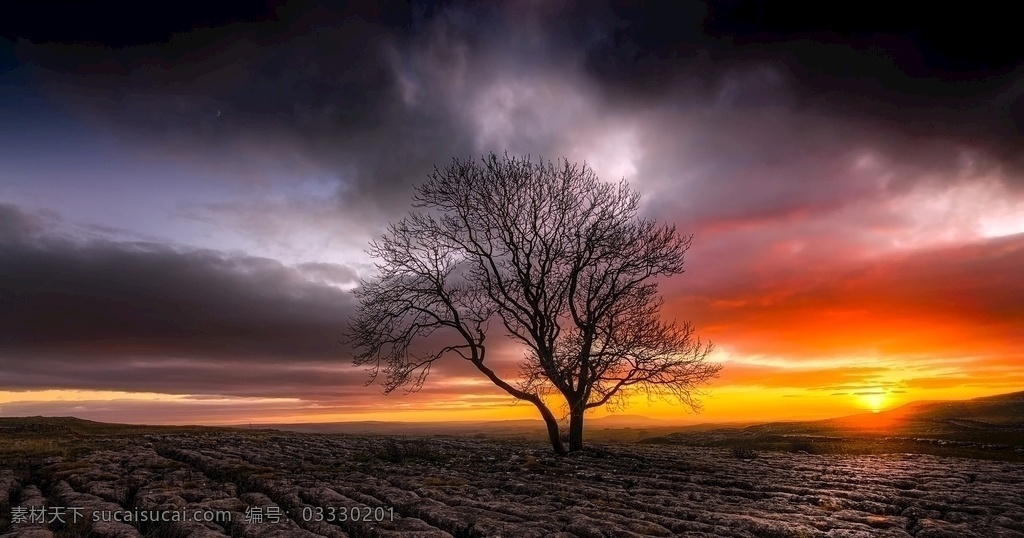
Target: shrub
(802, 446)
(744, 453)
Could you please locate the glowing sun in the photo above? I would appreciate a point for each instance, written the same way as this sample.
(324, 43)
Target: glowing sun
(873, 400)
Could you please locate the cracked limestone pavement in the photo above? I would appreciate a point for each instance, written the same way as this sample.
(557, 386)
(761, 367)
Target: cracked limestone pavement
(462, 487)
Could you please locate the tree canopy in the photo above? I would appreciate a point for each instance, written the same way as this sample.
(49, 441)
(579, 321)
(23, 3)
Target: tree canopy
(557, 257)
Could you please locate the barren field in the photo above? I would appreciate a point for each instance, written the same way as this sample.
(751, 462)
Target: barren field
(308, 485)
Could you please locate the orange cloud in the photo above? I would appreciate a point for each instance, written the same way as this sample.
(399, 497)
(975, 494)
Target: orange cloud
(951, 300)
(768, 376)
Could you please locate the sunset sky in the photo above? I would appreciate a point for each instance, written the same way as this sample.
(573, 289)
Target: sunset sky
(186, 194)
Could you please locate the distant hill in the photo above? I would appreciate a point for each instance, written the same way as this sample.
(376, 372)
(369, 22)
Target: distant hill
(40, 425)
(1001, 412)
(626, 421)
(989, 427)
(497, 427)
(996, 413)
(374, 427)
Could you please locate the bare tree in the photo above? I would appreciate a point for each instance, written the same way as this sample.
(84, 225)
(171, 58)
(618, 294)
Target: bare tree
(561, 259)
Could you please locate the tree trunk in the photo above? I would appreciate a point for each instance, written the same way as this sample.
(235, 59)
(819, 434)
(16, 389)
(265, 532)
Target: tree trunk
(552, 424)
(549, 419)
(576, 428)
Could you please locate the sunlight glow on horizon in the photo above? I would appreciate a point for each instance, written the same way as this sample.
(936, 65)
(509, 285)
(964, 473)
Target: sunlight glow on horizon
(874, 400)
(720, 404)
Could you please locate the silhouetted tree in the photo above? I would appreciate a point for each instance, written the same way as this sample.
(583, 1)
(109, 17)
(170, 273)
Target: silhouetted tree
(560, 259)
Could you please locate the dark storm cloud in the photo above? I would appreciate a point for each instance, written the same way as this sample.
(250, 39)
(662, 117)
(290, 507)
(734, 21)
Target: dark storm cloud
(123, 300)
(143, 317)
(229, 377)
(747, 113)
(935, 72)
(102, 23)
(374, 97)
(310, 90)
(16, 224)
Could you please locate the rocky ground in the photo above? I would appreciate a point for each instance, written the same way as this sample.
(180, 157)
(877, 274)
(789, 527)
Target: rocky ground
(271, 484)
